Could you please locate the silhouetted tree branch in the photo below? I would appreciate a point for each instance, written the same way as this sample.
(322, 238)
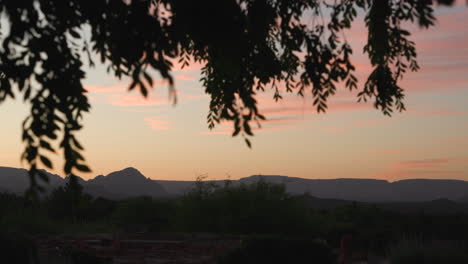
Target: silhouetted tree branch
(245, 47)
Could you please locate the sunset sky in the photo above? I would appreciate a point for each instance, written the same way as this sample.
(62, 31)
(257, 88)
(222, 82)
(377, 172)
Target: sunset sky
(352, 140)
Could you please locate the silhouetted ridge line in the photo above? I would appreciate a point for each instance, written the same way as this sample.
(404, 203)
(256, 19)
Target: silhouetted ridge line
(130, 182)
(121, 184)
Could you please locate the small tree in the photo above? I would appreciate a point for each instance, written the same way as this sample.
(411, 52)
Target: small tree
(69, 201)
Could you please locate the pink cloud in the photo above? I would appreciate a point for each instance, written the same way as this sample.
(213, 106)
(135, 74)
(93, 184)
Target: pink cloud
(286, 112)
(142, 110)
(435, 84)
(276, 124)
(432, 167)
(281, 120)
(346, 106)
(455, 140)
(155, 123)
(278, 116)
(440, 112)
(122, 85)
(269, 107)
(184, 97)
(461, 2)
(421, 164)
(177, 66)
(442, 54)
(118, 95)
(423, 168)
(461, 159)
(442, 46)
(281, 117)
(406, 174)
(104, 88)
(136, 100)
(185, 77)
(217, 131)
(346, 127)
(385, 151)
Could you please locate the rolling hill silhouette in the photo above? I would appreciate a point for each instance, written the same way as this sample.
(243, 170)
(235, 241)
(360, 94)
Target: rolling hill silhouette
(130, 182)
(121, 184)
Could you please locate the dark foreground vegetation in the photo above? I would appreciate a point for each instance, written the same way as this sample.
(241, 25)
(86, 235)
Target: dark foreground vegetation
(275, 227)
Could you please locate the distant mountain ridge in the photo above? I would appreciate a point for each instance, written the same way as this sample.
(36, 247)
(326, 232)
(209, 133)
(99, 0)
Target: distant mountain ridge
(365, 190)
(372, 190)
(130, 182)
(121, 184)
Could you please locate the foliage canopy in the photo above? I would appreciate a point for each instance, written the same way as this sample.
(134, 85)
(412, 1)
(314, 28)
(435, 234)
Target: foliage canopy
(245, 47)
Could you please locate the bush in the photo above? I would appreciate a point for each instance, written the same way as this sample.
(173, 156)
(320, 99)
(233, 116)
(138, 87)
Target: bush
(429, 252)
(141, 214)
(16, 249)
(81, 257)
(257, 208)
(280, 251)
(27, 221)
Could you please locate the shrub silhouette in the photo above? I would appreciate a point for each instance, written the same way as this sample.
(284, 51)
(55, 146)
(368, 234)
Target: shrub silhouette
(280, 251)
(17, 249)
(260, 207)
(141, 214)
(413, 251)
(81, 257)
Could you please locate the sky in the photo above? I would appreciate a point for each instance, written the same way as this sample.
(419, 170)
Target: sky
(352, 140)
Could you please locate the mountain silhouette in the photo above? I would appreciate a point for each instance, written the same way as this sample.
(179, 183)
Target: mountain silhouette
(372, 190)
(122, 184)
(130, 182)
(17, 181)
(127, 182)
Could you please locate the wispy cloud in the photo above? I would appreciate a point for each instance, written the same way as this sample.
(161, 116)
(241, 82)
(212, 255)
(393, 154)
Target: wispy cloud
(269, 125)
(351, 125)
(98, 89)
(186, 77)
(407, 174)
(457, 140)
(438, 112)
(118, 95)
(420, 168)
(290, 116)
(385, 151)
(156, 123)
(300, 107)
(424, 168)
(136, 100)
(217, 131)
(421, 164)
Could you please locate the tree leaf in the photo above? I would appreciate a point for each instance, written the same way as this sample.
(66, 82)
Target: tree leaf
(46, 161)
(249, 144)
(82, 168)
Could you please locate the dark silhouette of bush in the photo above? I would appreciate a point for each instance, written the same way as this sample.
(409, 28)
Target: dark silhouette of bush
(82, 257)
(141, 214)
(280, 251)
(17, 249)
(257, 208)
(69, 202)
(415, 251)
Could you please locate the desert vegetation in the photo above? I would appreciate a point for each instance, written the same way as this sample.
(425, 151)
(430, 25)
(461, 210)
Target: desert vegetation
(259, 211)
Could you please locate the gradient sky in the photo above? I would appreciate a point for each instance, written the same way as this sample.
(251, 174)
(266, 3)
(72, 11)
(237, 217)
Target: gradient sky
(352, 140)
